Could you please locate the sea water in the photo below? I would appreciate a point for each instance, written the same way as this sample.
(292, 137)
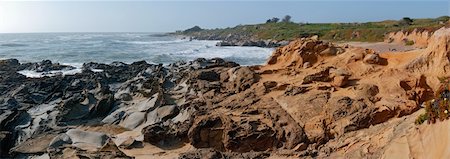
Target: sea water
(78, 48)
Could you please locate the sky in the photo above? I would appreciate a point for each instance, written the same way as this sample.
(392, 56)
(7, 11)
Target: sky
(167, 16)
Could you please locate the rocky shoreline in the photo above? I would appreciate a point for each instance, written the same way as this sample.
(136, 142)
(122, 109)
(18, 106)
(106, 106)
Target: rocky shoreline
(236, 40)
(312, 99)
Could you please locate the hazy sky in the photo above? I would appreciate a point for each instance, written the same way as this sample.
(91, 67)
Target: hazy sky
(164, 16)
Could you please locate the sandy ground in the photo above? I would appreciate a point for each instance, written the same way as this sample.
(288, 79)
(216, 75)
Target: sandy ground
(382, 47)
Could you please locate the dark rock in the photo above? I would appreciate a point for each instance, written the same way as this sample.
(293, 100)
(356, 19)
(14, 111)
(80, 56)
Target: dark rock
(6, 143)
(167, 133)
(294, 90)
(208, 76)
(9, 63)
(213, 154)
(46, 66)
(269, 85)
(209, 133)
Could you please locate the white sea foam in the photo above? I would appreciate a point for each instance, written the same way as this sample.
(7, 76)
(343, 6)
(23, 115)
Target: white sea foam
(64, 72)
(34, 74)
(152, 42)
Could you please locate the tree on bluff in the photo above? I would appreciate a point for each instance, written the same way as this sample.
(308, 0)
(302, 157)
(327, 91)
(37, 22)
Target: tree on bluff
(405, 21)
(273, 20)
(287, 19)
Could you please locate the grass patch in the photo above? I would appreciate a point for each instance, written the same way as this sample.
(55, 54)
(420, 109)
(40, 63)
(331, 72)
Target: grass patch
(409, 43)
(369, 32)
(421, 119)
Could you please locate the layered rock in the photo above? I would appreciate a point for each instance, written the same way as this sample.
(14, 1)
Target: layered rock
(417, 37)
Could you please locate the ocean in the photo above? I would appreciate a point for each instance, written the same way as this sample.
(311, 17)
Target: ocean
(78, 48)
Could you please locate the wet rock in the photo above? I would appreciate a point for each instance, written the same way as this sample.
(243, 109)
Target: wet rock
(9, 63)
(202, 63)
(46, 66)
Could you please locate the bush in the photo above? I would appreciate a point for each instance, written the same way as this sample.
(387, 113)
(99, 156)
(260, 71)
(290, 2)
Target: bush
(273, 20)
(409, 43)
(443, 19)
(421, 119)
(286, 19)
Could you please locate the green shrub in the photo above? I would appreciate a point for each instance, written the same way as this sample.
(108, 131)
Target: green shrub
(421, 119)
(409, 43)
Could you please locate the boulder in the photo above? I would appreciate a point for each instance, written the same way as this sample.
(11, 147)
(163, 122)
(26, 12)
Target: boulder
(128, 139)
(374, 58)
(340, 81)
(86, 140)
(133, 120)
